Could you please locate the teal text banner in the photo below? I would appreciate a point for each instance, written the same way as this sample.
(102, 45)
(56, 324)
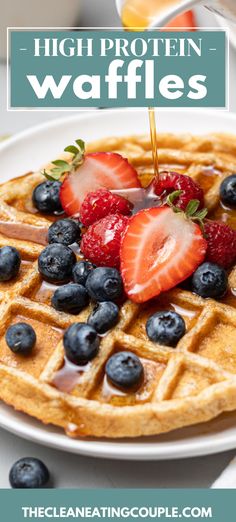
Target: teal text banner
(116, 504)
(61, 69)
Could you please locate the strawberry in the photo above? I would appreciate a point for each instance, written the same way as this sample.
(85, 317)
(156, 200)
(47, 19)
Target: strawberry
(99, 169)
(221, 243)
(159, 249)
(101, 243)
(168, 182)
(101, 203)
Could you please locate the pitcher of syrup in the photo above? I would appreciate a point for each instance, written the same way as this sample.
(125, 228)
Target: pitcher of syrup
(145, 14)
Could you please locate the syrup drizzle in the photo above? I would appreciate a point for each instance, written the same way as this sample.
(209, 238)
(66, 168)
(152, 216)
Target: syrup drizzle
(45, 292)
(140, 198)
(153, 136)
(130, 11)
(68, 376)
(24, 231)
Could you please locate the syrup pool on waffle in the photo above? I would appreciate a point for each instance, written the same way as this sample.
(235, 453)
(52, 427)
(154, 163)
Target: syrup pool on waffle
(24, 231)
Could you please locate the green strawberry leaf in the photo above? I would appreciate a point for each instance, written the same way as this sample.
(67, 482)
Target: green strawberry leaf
(62, 167)
(52, 175)
(174, 195)
(192, 207)
(201, 214)
(191, 210)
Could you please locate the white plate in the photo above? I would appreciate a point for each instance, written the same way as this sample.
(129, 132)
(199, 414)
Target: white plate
(29, 150)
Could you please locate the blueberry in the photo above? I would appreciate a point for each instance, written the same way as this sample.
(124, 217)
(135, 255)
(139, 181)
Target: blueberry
(28, 472)
(55, 263)
(104, 316)
(104, 284)
(21, 338)
(81, 271)
(10, 261)
(64, 231)
(228, 191)
(46, 197)
(210, 280)
(165, 328)
(124, 370)
(81, 343)
(71, 298)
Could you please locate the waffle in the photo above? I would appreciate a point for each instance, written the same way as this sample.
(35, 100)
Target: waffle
(190, 384)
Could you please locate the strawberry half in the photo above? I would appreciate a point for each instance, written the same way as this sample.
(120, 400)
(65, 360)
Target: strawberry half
(159, 249)
(100, 169)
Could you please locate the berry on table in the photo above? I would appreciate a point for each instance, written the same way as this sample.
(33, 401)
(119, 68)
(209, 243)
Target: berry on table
(104, 316)
(81, 343)
(101, 243)
(100, 204)
(81, 270)
(165, 328)
(104, 284)
(64, 231)
(10, 261)
(228, 191)
(46, 197)
(124, 370)
(56, 262)
(21, 338)
(70, 298)
(29, 472)
(210, 280)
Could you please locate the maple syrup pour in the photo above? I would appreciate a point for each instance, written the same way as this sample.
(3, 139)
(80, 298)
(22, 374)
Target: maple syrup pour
(24, 231)
(131, 17)
(68, 376)
(153, 136)
(142, 14)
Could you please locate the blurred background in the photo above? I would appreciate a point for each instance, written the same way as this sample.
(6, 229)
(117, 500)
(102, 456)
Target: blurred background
(82, 13)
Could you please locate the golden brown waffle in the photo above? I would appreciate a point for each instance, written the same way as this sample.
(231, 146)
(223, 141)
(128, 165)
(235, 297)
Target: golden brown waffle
(189, 384)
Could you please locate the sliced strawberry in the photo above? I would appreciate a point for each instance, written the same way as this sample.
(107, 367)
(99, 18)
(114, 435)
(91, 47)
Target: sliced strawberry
(159, 249)
(99, 169)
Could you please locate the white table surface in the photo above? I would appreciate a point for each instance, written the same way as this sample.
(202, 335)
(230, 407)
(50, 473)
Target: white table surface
(71, 471)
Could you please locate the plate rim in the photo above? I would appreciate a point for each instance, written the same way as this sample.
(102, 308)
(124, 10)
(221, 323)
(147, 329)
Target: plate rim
(117, 450)
(90, 114)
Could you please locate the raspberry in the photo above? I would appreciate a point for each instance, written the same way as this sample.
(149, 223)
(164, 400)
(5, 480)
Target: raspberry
(169, 182)
(221, 243)
(101, 243)
(101, 203)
